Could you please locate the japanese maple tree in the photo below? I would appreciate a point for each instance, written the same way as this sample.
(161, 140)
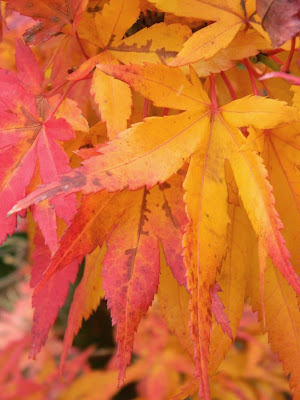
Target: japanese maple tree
(139, 134)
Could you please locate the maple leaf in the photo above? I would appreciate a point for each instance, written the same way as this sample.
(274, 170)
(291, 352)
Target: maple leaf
(52, 16)
(210, 135)
(280, 149)
(282, 318)
(234, 273)
(132, 263)
(173, 302)
(109, 25)
(64, 54)
(143, 218)
(158, 43)
(280, 19)
(104, 29)
(56, 289)
(244, 45)
(29, 135)
(230, 16)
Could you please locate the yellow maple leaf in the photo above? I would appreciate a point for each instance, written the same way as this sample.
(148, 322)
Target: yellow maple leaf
(230, 17)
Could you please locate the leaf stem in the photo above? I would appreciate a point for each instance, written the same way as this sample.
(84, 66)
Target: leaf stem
(286, 67)
(292, 79)
(80, 45)
(60, 100)
(213, 94)
(229, 86)
(251, 75)
(273, 52)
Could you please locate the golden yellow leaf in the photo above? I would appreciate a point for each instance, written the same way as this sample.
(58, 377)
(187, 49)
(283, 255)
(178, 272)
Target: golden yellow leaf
(213, 10)
(205, 239)
(232, 279)
(108, 25)
(282, 319)
(114, 100)
(207, 42)
(157, 44)
(254, 110)
(173, 302)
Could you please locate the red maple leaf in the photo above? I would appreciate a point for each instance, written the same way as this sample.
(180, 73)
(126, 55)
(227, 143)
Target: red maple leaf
(28, 138)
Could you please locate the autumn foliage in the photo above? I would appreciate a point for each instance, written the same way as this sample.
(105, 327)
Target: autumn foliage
(158, 141)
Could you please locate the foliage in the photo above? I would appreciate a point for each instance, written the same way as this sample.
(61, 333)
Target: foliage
(139, 147)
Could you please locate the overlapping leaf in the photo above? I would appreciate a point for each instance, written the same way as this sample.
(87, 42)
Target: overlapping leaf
(52, 16)
(244, 45)
(29, 135)
(210, 134)
(230, 16)
(56, 289)
(280, 19)
(280, 150)
(234, 273)
(106, 29)
(138, 220)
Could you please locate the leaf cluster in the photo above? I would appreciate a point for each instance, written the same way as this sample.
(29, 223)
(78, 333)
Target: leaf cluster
(139, 147)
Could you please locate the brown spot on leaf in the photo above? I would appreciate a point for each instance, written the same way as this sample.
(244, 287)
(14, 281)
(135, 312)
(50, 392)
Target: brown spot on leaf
(93, 9)
(76, 181)
(144, 217)
(181, 172)
(164, 186)
(29, 35)
(96, 182)
(169, 214)
(130, 261)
